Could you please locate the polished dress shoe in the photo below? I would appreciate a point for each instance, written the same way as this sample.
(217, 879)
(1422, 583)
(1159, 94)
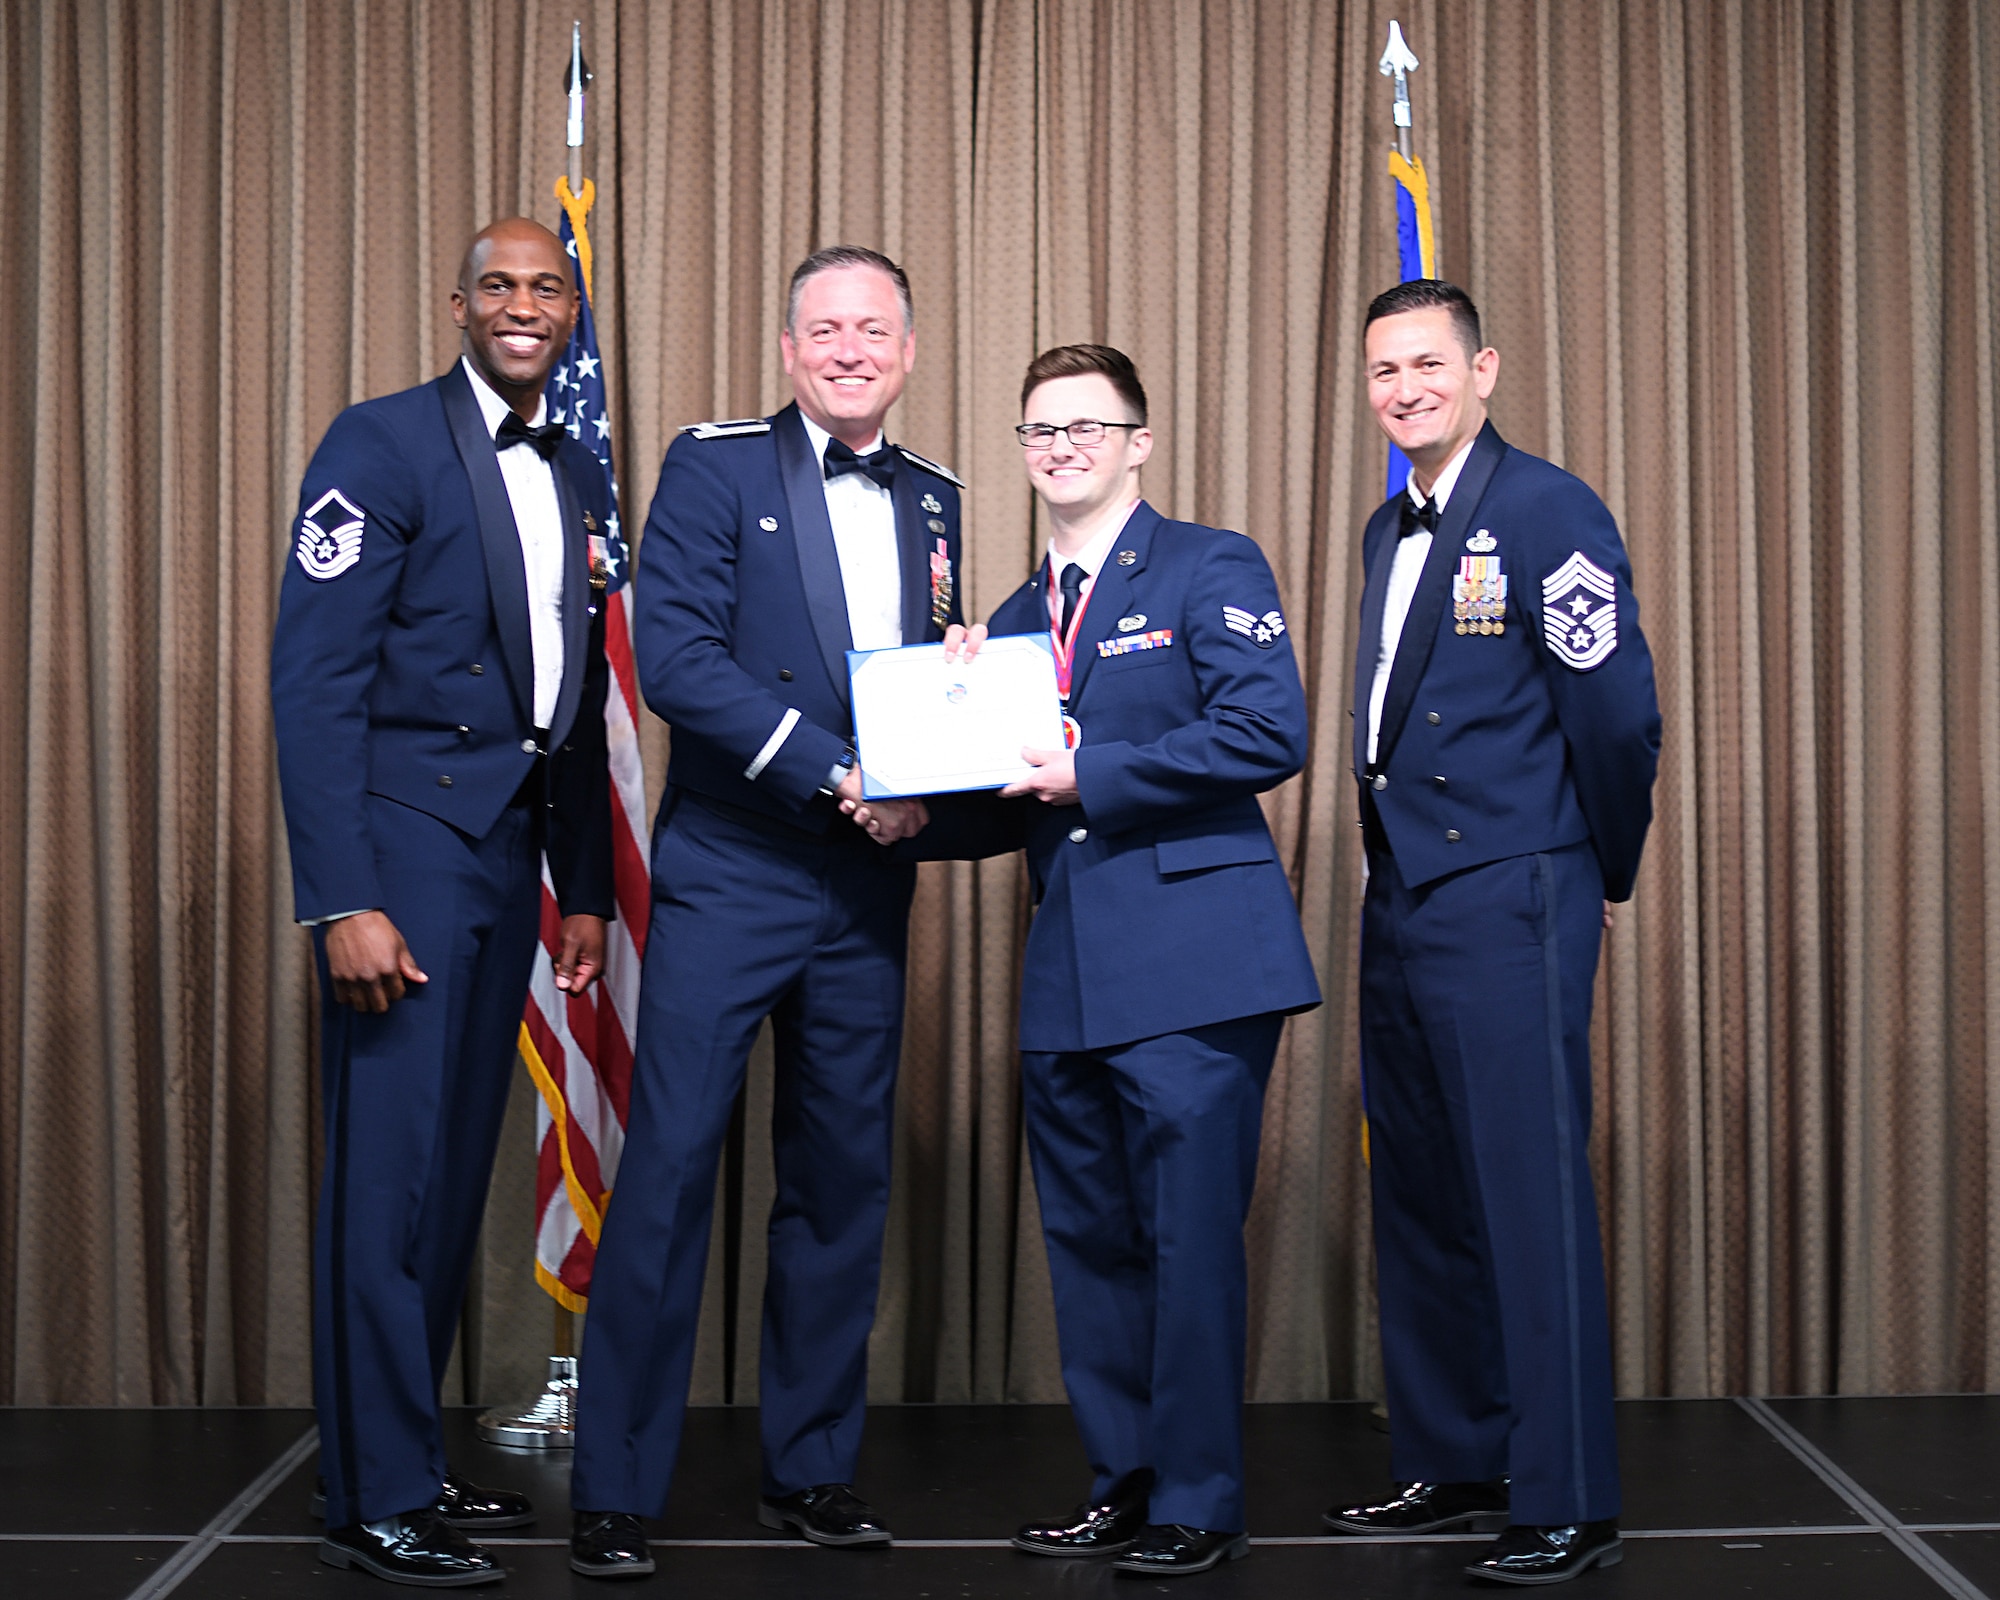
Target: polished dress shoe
(1172, 1550)
(608, 1544)
(1550, 1555)
(462, 1504)
(827, 1513)
(1100, 1530)
(1429, 1508)
(418, 1548)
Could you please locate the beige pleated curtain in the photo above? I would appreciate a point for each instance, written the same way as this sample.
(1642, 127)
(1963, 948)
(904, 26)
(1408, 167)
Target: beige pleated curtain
(1740, 261)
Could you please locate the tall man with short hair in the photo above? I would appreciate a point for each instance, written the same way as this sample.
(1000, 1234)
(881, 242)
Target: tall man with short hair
(1505, 739)
(438, 682)
(773, 547)
(1164, 955)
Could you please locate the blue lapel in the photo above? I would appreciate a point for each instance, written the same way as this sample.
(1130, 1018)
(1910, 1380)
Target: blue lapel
(1111, 594)
(914, 542)
(1427, 605)
(576, 602)
(819, 562)
(1378, 555)
(506, 574)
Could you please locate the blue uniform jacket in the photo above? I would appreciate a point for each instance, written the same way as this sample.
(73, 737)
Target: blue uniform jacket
(1542, 734)
(741, 621)
(1162, 904)
(401, 663)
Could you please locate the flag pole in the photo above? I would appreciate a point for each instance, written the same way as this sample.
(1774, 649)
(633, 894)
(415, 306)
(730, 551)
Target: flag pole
(577, 80)
(548, 1422)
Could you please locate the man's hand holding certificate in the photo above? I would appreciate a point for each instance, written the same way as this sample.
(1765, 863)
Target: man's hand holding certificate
(929, 723)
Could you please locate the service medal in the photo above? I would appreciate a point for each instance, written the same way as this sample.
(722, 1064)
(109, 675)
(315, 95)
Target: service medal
(1479, 596)
(941, 584)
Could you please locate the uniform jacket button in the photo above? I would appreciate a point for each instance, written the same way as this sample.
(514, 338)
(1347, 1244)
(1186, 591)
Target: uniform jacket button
(1439, 781)
(1451, 836)
(477, 669)
(1381, 781)
(527, 747)
(444, 780)
(784, 674)
(1078, 835)
(1432, 718)
(463, 729)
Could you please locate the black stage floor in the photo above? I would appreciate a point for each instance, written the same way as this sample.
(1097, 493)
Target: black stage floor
(1854, 1499)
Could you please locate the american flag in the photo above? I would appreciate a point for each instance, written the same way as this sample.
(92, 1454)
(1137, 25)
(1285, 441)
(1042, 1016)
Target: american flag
(579, 1049)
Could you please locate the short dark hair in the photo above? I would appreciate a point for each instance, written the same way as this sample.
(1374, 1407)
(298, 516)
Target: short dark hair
(1430, 294)
(847, 255)
(1076, 360)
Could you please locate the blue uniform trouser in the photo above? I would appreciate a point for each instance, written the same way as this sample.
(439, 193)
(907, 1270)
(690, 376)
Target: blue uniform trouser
(1145, 1155)
(413, 1100)
(1475, 1051)
(750, 919)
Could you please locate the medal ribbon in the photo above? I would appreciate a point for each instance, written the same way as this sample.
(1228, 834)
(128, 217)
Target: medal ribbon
(1065, 648)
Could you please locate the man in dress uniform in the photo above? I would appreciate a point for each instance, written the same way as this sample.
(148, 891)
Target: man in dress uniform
(438, 681)
(773, 547)
(1505, 740)
(1164, 955)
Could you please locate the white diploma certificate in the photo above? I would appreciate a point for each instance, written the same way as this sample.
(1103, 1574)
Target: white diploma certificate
(925, 725)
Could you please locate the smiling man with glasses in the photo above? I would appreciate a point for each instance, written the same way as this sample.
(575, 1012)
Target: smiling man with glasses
(1164, 956)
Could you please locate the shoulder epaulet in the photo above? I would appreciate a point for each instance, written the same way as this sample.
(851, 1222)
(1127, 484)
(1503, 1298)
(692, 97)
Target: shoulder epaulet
(931, 466)
(740, 428)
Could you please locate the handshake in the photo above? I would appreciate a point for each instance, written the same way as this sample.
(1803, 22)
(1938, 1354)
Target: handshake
(1051, 778)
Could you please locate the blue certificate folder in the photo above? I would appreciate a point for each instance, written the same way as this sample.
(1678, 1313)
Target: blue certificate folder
(924, 725)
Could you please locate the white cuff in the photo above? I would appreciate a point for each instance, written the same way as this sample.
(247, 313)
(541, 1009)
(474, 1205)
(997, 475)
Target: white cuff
(786, 723)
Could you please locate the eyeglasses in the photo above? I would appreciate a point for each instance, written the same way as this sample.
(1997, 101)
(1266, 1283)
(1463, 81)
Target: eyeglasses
(1083, 433)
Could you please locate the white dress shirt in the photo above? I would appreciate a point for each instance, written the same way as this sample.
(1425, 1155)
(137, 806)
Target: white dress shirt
(531, 491)
(1412, 550)
(1090, 558)
(864, 537)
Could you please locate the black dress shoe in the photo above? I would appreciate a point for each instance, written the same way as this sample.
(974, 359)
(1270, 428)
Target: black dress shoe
(418, 1547)
(609, 1544)
(462, 1504)
(1550, 1555)
(1172, 1550)
(827, 1513)
(1428, 1508)
(1100, 1530)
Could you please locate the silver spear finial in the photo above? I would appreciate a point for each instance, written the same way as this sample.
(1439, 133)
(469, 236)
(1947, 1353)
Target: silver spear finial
(1398, 62)
(575, 80)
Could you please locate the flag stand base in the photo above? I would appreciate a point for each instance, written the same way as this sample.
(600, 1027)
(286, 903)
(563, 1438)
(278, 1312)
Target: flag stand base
(547, 1423)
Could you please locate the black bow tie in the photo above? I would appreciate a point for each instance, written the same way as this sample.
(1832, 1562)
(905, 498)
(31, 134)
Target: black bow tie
(542, 440)
(1415, 516)
(878, 465)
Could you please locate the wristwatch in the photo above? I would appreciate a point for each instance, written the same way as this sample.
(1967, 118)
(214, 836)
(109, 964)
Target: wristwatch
(837, 773)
